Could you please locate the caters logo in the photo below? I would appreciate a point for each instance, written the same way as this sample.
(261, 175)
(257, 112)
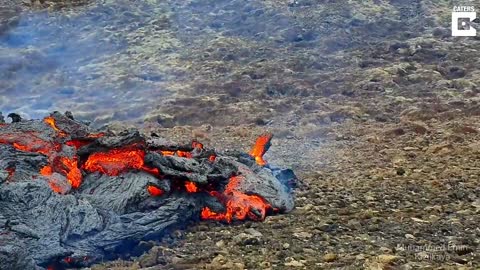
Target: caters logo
(462, 18)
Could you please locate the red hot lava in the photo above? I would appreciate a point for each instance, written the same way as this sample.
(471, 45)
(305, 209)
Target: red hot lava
(239, 205)
(113, 162)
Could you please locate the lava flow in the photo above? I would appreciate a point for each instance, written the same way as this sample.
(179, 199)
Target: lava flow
(239, 206)
(116, 161)
(112, 191)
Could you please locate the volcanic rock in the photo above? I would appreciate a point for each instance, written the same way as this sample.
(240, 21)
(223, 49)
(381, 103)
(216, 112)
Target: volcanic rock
(94, 196)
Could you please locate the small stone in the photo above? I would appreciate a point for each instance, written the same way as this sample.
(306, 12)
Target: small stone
(150, 258)
(387, 258)
(465, 130)
(469, 93)
(329, 257)
(286, 246)
(200, 134)
(360, 257)
(218, 262)
(309, 250)
(260, 121)
(443, 147)
(476, 204)
(294, 263)
(265, 265)
(308, 207)
(246, 239)
(303, 235)
(220, 244)
(400, 171)
(385, 250)
(395, 132)
(253, 232)
(409, 236)
(419, 220)
(418, 127)
(238, 266)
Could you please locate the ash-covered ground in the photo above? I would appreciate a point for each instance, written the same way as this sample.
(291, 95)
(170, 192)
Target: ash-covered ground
(372, 103)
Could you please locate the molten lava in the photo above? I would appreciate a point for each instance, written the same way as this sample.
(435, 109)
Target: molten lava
(191, 187)
(119, 160)
(30, 142)
(115, 161)
(71, 170)
(154, 191)
(46, 170)
(239, 206)
(196, 144)
(51, 122)
(177, 153)
(67, 167)
(260, 148)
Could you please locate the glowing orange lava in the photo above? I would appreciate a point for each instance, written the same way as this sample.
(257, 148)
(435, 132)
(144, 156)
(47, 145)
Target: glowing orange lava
(39, 148)
(115, 161)
(196, 144)
(96, 135)
(191, 187)
(168, 153)
(178, 153)
(153, 171)
(260, 148)
(55, 187)
(239, 206)
(184, 154)
(51, 122)
(46, 170)
(73, 173)
(154, 191)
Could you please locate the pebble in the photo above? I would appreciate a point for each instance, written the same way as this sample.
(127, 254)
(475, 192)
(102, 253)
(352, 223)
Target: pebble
(253, 232)
(308, 207)
(303, 235)
(360, 257)
(220, 244)
(294, 263)
(329, 257)
(409, 236)
(387, 258)
(246, 239)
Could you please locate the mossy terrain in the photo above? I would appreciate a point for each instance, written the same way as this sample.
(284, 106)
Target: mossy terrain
(372, 103)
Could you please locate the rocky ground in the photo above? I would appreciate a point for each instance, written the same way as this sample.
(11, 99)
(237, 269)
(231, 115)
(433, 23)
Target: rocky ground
(373, 104)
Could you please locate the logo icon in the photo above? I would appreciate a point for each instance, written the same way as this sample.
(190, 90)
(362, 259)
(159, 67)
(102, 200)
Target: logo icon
(462, 17)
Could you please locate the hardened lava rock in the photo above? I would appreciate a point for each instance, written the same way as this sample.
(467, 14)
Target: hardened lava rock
(70, 197)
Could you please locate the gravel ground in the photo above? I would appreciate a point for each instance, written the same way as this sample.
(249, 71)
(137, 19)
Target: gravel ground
(372, 103)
